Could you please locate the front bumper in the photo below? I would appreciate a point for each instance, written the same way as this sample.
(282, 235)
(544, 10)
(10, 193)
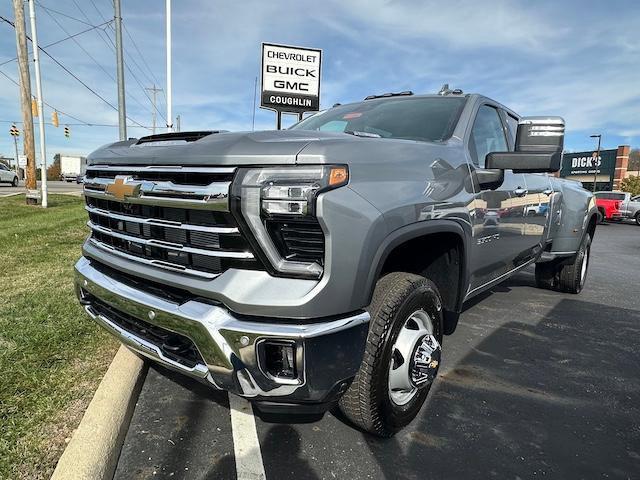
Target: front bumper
(328, 353)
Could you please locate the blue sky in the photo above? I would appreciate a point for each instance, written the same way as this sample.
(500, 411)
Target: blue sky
(577, 59)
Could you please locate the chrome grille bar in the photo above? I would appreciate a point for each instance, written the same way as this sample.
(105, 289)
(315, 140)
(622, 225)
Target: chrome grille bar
(155, 263)
(169, 245)
(214, 196)
(160, 222)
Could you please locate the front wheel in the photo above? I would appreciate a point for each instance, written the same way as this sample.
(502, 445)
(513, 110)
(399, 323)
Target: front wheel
(402, 355)
(14, 183)
(637, 218)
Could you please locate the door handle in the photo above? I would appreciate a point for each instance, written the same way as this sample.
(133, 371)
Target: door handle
(547, 192)
(520, 192)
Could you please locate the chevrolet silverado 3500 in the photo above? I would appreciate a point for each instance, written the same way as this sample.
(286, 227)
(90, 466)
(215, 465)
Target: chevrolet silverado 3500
(324, 264)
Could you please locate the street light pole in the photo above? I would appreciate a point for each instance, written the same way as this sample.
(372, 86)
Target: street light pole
(122, 110)
(36, 61)
(169, 79)
(595, 170)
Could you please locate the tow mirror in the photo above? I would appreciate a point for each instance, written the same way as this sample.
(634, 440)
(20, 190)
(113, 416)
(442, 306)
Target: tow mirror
(539, 145)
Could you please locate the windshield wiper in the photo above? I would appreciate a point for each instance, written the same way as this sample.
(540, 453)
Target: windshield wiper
(362, 134)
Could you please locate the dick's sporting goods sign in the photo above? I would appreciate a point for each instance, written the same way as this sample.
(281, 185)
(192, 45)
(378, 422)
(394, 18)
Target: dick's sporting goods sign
(588, 163)
(290, 78)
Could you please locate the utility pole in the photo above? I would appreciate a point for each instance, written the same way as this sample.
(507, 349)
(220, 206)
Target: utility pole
(36, 61)
(169, 111)
(122, 111)
(178, 123)
(25, 102)
(153, 91)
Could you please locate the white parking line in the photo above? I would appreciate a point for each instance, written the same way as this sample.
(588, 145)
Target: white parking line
(245, 440)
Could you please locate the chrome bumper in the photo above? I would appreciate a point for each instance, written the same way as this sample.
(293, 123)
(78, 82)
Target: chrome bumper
(328, 353)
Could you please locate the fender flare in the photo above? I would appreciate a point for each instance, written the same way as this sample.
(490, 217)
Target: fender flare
(415, 230)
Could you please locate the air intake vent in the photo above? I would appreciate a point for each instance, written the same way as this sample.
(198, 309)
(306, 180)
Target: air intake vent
(301, 241)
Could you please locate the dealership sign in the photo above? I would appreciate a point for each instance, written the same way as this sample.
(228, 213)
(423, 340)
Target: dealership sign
(290, 78)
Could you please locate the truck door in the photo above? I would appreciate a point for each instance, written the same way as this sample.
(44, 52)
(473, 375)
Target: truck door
(538, 196)
(536, 200)
(497, 213)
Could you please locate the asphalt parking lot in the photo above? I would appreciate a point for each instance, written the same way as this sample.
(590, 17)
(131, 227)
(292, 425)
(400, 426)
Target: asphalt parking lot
(533, 384)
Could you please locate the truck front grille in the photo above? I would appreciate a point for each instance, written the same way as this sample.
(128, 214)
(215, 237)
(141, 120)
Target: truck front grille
(164, 221)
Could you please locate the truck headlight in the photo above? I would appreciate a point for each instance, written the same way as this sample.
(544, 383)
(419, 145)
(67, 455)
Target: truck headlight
(284, 193)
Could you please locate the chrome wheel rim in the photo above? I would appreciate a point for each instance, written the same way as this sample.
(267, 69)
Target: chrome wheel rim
(583, 269)
(415, 358)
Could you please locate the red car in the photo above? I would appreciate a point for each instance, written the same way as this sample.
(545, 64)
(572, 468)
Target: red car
(609, 204)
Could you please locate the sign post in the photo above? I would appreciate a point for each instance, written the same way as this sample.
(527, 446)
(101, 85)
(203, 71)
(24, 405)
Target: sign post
(290, 80)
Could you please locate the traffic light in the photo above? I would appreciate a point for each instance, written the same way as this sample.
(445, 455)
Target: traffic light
(54, 119)
(67, 131)
(14, 131)
(34, 107)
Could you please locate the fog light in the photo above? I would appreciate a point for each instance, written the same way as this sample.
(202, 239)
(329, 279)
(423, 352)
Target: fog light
(280, 359)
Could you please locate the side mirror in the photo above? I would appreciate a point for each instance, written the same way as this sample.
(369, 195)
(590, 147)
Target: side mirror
(539, 146)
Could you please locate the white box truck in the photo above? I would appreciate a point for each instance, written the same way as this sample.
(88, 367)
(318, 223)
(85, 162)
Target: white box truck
(72, 167)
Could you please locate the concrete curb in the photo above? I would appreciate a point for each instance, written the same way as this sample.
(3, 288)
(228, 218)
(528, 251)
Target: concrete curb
(92, 453)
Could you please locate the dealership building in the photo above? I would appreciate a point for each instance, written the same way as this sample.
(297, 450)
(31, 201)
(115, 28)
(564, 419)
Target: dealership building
(609, 169)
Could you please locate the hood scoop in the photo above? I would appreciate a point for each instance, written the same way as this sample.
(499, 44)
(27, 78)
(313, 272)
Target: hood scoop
(173, 138)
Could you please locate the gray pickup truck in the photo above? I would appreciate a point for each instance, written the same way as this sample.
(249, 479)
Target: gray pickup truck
(322, 265)
(630, 207)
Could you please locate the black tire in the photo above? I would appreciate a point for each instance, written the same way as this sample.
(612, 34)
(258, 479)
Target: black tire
(14, 183)
(571, 278)
(565, 277)
(367, 403)
(601, 217)
(637, 218)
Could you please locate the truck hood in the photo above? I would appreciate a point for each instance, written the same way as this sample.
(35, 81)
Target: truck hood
(241, 148)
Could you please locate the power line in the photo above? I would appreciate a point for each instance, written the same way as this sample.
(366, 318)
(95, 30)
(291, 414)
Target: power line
(97, 10)
(57, 62)
(47, 104)
(142, 87)
(135, 45)
(134, 75)
(81, 124)
(61, 40)
(62, 13)
(80, 46)
(111, 45)
(131, 58)
(96, 62)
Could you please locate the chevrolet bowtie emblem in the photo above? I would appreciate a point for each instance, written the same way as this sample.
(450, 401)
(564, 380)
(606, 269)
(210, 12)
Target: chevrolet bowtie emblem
(121, 189)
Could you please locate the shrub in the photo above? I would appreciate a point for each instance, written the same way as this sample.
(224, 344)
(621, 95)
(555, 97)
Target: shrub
(631, 185)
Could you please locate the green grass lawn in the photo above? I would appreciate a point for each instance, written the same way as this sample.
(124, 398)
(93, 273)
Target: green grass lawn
(52, 356)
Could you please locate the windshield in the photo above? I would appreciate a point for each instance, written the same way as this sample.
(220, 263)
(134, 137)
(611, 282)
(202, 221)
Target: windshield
(428, 119)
